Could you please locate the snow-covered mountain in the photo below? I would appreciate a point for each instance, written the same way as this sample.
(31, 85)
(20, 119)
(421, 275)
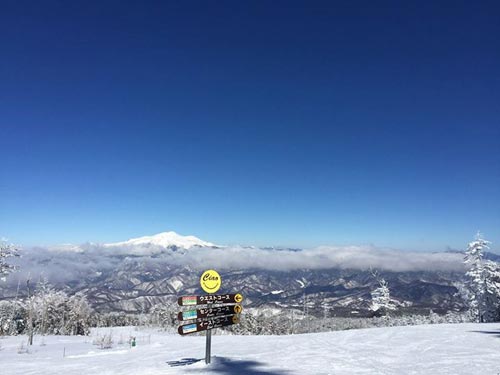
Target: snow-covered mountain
(165, 240)
(141, 273)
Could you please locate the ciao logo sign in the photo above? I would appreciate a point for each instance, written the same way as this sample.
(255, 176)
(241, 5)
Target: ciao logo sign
(210, 281)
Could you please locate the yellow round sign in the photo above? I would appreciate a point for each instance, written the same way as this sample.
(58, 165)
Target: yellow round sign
(210, 281)
(238, 298)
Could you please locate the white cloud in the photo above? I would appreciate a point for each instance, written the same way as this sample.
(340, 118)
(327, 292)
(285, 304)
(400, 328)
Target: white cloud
(74, 263)
(324, 257)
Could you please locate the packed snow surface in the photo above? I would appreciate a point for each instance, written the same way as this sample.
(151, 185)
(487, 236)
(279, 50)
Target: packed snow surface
(165, 239)
(428, 349)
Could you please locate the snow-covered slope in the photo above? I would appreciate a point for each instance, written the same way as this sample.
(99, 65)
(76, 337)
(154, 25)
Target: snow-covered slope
(165, 240)
(458, 349)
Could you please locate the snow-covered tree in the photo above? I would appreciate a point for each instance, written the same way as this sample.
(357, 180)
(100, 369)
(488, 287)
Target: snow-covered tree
(493, 279)
(40, 304)
(6, 251)
(164, 315)
(12, 317)
(79, 312)
(492, 294)
(114, 319)
(49, 310)
(484, 278)
(382, 302)
(6, 317)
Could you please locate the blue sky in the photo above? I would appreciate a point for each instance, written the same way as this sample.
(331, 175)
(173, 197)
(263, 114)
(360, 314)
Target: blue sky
(268, 123)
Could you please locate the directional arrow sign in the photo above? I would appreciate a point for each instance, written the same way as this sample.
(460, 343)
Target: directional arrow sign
(208, 324)
(209, 299)
(210, 312)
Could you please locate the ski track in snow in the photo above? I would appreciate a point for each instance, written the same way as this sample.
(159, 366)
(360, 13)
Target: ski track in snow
(428, 349)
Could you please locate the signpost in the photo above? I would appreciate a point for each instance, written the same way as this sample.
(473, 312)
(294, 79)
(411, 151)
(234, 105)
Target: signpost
(221, 309)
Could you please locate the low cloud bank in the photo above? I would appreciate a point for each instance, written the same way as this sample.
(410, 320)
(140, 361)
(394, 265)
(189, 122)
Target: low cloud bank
(325, 257)
(76, 263)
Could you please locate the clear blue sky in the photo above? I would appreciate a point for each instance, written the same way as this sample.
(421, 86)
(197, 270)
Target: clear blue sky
(258, 122)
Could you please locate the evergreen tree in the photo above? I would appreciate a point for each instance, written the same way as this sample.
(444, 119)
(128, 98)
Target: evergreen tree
(484, 278)
(492, 294)
(382, 302)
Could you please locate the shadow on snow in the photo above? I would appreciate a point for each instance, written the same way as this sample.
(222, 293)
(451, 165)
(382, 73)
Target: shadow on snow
(183, 362)
(222, 365)
(495, 333)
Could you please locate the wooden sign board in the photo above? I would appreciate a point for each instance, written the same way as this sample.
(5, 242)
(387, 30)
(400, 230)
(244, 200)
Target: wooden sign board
(209, 299)
(208, 324)
(209, 312)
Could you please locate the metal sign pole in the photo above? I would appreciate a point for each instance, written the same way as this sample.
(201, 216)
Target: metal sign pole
(208, 346)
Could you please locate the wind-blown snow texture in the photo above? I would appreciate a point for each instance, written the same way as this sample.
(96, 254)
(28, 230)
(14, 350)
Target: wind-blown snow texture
(429, 349)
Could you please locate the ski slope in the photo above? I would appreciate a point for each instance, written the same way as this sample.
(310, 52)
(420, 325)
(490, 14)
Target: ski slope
(428, 349)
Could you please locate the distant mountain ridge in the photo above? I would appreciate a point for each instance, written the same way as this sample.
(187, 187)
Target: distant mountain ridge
(141, 273)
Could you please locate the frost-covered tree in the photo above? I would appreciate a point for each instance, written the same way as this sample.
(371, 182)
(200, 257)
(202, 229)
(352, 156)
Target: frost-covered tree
(40, 304)
(114, 319)
(12, 317)
(483, 281)
(5, 317)
(382, 302)
(79, 312)
(6, 251)
(49, 310)
(493, 279)
(492, 294)
(57, 313)
(164, 315)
